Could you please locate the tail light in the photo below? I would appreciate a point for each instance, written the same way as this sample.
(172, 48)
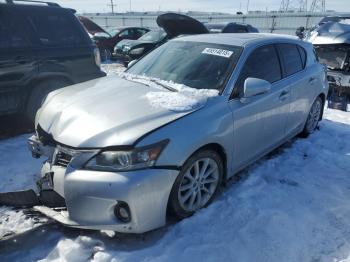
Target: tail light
(97, 57)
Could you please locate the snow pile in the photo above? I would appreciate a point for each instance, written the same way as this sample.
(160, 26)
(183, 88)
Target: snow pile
(112, 68)
(293, 205)
(179, 98)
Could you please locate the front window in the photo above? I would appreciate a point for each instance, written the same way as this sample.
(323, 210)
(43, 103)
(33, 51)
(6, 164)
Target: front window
(194, 64)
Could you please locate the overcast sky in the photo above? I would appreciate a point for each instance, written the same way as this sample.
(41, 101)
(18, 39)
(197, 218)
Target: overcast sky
(229, 6)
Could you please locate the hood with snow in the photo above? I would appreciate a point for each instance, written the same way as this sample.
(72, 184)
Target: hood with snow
(115, 110)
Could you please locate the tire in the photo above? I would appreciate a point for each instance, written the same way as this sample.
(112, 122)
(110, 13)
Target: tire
(38, 95)
(192, 189)
(313, 118)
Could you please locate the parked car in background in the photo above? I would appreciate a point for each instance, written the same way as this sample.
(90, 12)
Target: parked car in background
(106, 41)
(172, 24)
(91, 27)
(43, 47)
(230, 27)
(161, 138)
(331, 39)
(128, 50)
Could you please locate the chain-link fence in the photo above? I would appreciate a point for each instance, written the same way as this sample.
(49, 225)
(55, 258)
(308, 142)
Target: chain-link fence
(269, 22)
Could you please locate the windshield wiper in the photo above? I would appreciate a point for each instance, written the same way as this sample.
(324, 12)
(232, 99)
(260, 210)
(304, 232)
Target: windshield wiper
(163, 85)
(135, 77)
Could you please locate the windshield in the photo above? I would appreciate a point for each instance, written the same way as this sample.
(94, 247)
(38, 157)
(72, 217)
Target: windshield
(194, 64)
(153, 36)
(113, 32)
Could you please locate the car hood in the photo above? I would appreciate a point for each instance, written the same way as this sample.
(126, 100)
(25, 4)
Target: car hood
(177, 24)
(330, 33)
(132, 43)
(108, 111)
(90, 26)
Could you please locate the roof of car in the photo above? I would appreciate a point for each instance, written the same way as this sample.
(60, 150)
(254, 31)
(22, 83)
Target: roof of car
(236, 39)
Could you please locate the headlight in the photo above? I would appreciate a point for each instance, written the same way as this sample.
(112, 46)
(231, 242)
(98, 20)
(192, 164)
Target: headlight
(137, 51)
(126, 160)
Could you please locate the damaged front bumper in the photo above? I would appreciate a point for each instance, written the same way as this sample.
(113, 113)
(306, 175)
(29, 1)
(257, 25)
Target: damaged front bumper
(91, 197)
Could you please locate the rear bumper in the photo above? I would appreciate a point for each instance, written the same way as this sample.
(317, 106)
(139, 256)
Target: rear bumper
(91, 197)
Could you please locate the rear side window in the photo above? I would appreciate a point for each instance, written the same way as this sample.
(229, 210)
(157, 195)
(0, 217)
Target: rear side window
(11, 35)
(302, 53)
(55, 29)
(263, 63)
(290, 58)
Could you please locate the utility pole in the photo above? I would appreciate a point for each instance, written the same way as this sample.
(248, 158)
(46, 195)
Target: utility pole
(112, 5)
(247, 6)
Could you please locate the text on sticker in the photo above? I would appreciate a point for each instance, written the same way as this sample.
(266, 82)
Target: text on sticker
(218, 52)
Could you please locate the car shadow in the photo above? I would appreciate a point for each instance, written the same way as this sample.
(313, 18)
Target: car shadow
(14, 125)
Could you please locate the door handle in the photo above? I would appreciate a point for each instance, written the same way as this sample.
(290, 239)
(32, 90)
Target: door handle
(284, 94)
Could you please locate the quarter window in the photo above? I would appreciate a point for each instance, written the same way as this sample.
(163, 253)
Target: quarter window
(263, 63)
(291, 59)
(302, 56)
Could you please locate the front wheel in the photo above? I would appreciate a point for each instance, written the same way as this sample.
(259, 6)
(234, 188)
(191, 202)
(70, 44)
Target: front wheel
(313, 118)
(197, 183)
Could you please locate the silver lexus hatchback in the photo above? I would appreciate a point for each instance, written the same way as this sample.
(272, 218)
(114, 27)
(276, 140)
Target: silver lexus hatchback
(125, 150)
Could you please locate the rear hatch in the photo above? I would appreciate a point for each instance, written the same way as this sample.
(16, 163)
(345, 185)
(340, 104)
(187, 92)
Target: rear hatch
(178, 24)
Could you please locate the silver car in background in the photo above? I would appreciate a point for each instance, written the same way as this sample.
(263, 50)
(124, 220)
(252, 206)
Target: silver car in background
(124, 151)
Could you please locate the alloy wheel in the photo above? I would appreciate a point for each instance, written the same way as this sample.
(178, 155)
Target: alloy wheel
(198, 184)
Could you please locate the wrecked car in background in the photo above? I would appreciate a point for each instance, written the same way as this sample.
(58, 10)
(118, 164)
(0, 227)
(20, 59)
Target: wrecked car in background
(124, 151)
(231, 27)
(331, 39)
(172, 25)
(107, 39)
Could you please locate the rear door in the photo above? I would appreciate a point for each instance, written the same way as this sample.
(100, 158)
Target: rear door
(298, 79)
(61, 47)
(259, 122)
(17, 64)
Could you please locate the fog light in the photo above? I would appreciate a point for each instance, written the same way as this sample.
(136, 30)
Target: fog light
(122, 212)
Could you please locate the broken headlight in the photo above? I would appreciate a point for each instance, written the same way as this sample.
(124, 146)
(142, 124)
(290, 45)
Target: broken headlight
(126, 160)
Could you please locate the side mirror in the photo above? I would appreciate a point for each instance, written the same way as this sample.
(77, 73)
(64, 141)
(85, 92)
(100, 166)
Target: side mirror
(255, 86)
(131, 63)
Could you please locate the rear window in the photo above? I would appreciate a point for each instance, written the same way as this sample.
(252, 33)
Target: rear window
(55, 29)
(291, 59)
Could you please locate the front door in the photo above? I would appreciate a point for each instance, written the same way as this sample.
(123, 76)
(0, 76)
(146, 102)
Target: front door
(260, 121)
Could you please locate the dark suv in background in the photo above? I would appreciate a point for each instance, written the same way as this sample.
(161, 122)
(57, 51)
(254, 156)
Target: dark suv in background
(43, 47)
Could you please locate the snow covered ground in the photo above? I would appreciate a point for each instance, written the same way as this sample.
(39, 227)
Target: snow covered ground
(293, 205)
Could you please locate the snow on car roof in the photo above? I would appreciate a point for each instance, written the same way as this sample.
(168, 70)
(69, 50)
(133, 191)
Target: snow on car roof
(237, 39)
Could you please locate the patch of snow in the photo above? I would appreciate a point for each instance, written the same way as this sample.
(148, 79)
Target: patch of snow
(112, 68)
(18, 171)
(181, 98)
(15, 222)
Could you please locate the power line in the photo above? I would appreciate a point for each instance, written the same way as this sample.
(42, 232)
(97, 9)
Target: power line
(112, 5)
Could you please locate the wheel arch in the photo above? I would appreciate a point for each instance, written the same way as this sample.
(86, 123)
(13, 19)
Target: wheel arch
(216, 147)
(323, 98)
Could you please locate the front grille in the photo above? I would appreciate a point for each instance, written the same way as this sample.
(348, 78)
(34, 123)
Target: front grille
(62, 158)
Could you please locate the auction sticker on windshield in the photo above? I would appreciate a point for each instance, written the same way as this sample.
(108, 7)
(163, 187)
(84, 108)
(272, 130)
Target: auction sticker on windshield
(218, 52)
